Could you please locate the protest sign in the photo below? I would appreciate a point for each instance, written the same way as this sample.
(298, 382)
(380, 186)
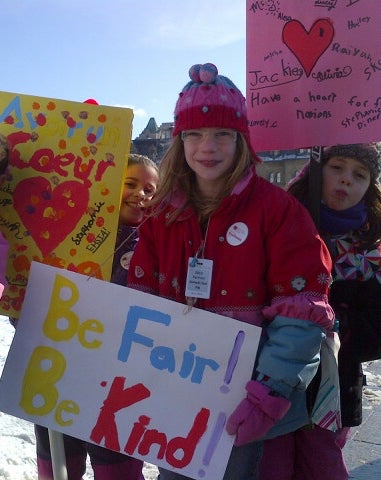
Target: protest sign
(313, 72)
(60, 199)
(127, 370)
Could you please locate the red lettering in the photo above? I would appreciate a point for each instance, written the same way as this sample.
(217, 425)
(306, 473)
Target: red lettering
(102, 167)
(187, 444)
(136, 434)
(82, 171)
(117, 399)
(150, 438)
(13, 140)
(44, 160)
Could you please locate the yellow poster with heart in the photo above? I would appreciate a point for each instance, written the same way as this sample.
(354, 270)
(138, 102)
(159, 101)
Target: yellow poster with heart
(60, 196)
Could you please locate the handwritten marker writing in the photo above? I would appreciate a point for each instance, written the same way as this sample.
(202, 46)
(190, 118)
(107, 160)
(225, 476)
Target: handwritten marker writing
(213, 442)
(233, 361)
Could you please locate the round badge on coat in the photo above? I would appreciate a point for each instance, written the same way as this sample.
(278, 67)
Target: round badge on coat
(125, 260)
(237, 234)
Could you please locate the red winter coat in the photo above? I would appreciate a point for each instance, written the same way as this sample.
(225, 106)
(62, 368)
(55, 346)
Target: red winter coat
(282, 255)
(270, 268)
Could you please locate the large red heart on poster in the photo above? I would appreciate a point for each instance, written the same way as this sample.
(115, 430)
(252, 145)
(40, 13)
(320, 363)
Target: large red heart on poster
(308, 47)
(49, 214)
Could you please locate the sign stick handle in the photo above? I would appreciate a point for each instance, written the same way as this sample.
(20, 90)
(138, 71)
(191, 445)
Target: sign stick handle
(315, 182)
(58, 455)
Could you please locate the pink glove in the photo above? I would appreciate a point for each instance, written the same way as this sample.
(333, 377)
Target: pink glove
(256, 414)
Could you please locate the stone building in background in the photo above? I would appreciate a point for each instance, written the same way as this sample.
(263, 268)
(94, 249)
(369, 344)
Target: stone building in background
(153, 141)
(279, 166)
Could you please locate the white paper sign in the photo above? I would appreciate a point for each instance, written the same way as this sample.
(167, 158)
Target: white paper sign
(128, 370)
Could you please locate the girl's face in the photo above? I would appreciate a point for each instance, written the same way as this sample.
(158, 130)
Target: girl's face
(209, 152)
(139, 186)
(345, 182)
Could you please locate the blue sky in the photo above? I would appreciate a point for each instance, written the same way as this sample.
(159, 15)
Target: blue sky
(131, 53)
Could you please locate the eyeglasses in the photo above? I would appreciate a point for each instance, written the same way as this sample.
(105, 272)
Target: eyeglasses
(221, 137)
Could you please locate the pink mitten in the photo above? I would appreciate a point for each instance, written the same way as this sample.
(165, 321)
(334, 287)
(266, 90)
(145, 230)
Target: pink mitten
(256, 414)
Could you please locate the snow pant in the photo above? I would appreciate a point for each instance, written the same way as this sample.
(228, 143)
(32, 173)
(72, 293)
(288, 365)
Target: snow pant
(106, 464)
(306, 454)
(242, 465)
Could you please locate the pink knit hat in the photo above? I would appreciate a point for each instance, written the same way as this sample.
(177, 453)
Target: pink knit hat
(210, 100)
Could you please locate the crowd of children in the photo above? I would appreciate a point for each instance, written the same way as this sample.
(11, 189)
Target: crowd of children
(271, 267)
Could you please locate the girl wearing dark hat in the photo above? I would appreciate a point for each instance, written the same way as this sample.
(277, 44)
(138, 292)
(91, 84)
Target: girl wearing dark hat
(350, 223)
(270, 268)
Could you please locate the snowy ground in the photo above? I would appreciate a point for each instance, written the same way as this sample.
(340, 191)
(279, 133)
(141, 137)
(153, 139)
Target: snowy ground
(370, 392)
(17, 442)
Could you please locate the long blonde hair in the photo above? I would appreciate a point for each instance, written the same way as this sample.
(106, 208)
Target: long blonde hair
(176, 175)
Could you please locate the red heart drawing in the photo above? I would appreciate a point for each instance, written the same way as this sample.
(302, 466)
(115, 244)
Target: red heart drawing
(308, 47)
(49, 214)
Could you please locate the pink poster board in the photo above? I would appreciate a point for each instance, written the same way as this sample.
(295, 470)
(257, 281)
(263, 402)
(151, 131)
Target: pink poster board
(313, 72)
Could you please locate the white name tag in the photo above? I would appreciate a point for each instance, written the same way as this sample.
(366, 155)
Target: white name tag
(199, 278)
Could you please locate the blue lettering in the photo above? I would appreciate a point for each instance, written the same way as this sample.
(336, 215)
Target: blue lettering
(188, 361)
(71, 131)
(15, 106)
(162, 357)
(98, 135)
(129, 335)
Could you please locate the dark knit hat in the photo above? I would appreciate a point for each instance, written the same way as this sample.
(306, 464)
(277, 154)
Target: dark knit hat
(367, 153)
(210, 100)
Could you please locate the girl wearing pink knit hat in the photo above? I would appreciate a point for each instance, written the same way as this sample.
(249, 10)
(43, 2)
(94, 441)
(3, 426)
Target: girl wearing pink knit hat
(268, 265)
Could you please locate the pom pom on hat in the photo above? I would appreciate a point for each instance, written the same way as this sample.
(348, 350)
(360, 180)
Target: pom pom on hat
(210, 100)
(203, 73)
